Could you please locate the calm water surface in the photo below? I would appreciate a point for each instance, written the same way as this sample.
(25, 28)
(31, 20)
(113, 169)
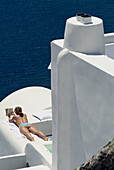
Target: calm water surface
(26, 29)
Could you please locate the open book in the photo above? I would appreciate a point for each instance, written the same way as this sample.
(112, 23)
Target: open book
(9, 111)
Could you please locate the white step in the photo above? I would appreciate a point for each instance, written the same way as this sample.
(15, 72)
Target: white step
(12, 161)
(39, 167)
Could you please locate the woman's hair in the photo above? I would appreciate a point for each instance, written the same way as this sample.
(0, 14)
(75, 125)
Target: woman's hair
(18, 111)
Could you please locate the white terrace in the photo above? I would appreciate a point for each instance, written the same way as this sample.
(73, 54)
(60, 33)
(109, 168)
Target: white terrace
(16, 152)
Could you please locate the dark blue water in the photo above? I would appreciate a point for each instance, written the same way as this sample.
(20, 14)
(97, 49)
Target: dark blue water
(26, 29)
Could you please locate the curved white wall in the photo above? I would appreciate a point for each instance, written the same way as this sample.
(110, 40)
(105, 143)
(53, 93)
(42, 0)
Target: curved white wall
(31, 99)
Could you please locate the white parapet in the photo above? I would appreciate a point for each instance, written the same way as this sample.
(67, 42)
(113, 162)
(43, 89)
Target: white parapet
(109, 38)
(82, 94)
(37, 154)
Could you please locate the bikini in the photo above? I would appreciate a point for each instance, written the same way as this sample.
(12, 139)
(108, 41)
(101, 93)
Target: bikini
(27, 124)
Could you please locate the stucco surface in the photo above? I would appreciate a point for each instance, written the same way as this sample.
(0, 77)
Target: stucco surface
(82, 98)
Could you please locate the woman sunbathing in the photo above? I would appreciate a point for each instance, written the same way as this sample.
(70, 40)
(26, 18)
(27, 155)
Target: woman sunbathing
(25, 128)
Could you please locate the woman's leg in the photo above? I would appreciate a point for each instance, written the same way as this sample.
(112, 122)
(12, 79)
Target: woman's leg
(33, 130)
(24, 130)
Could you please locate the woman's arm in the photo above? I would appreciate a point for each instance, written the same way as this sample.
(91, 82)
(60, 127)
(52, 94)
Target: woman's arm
(11, 119)
(25, 117)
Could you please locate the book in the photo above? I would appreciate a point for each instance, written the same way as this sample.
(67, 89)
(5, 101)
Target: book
(9, 111)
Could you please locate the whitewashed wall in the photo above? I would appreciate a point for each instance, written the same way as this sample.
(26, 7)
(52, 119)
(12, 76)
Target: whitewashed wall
(82, 103)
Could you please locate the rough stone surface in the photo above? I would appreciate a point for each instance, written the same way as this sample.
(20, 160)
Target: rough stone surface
(103, 160)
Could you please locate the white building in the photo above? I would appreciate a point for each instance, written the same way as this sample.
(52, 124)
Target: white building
(82, 92)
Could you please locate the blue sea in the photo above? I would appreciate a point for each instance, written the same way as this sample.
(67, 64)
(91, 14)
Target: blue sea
(26, 29)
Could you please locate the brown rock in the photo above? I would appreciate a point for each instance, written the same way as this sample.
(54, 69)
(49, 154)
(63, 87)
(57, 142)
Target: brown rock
(103, 160)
